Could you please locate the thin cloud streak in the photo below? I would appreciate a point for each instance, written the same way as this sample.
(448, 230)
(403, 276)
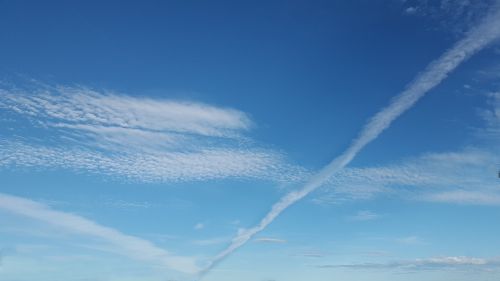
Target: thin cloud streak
(465, 197)
(456, 16)
(436, 263)
(127, 245)
(475, 40)
(364, 215)
(270, 240)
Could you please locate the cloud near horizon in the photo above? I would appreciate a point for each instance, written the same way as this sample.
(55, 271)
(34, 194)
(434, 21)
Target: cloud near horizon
(435, 263)
(127, 245)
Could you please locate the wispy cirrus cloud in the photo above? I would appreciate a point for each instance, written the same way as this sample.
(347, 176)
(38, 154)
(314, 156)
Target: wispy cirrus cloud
(435, 263)
(467, 176)
(467, 197)
(118, 242)
(2, 254)
(313, 254)
(492, 118)
(410, 240)
(364, 215)
(199, 226)
(132, 138)
(211, 241)
(122, 204)
(453, 15)
(270, 240)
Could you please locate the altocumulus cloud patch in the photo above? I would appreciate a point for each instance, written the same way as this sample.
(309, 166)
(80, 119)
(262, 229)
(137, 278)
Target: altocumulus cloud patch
(141, 139)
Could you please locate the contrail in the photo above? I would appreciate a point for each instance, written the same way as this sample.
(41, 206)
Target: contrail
(476, 39)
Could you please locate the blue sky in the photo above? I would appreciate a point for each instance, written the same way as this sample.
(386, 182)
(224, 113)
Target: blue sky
(249, 140)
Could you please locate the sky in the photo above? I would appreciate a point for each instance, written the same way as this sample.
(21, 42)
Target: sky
(249, 140)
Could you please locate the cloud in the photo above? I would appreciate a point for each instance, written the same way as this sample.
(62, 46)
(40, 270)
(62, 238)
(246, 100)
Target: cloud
(454, 175)
(411, 10)
(475, 40)
(492, 118)
(2, 256)
(453, 15)
(208, 163)
(270, 240)
(211, 241)
(132, 138)
(364, 216)
(199, 226)
(410, 240)
(466, 176)
(74, 106)
(436, 263)
(130, 246)
(464, 197)
(313, 254)
(127, 204)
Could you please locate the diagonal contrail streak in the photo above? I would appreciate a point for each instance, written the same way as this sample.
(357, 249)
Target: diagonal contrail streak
(476, 39)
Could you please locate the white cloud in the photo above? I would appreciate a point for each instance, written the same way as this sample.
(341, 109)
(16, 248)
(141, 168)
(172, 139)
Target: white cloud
(127, 204)
(313, 254)
(464, 197)
(2, 254)
(410, 240)
(199, 226)
(454, 15)
(435, 263)
(132, 138)
(365, 215)
(411, 10)
(211, 241)
(79, 105)
(270, 240)
(492, 118)
(206, 164)
(133, 247)
(467, 176)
